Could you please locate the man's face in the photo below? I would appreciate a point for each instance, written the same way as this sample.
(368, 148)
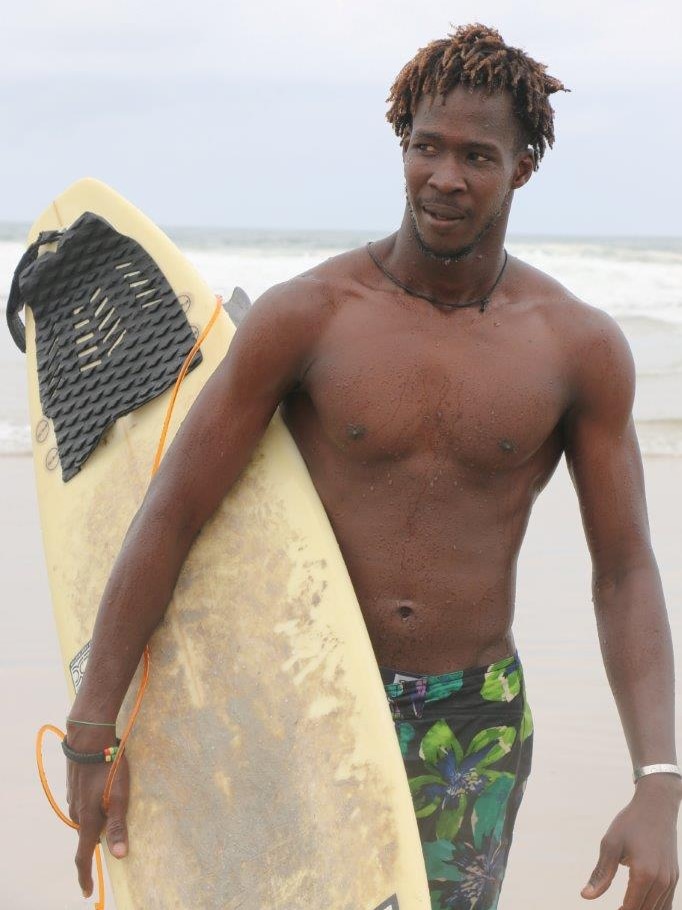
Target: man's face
(463, 159)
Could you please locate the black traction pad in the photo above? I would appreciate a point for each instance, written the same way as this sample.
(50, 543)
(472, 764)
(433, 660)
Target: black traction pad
(110, 333)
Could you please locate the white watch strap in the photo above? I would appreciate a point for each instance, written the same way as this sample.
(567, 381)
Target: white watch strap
(656, 769)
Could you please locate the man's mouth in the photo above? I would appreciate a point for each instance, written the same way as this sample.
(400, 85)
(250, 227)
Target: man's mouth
(444, 213)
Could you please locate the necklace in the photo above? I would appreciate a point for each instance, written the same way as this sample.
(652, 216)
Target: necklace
(482, 302)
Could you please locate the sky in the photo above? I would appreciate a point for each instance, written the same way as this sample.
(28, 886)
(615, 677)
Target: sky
(271, 114)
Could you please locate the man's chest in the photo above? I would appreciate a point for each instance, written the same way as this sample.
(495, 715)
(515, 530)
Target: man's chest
(488, 400)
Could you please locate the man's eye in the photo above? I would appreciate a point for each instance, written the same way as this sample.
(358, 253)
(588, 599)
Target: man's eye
(424, 147)
(477, 156)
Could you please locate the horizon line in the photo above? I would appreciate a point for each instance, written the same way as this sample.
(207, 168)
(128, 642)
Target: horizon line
(20, 226)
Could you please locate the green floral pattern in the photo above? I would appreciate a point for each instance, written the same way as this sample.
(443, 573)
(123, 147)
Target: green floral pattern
(467, 750)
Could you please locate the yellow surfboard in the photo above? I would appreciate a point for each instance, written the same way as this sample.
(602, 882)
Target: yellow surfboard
(266, 773)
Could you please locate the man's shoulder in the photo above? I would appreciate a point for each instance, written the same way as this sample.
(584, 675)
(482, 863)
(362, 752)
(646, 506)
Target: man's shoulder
(319, 288)
(598, 362)
(340, 274)
(281, 330)
(579, 321)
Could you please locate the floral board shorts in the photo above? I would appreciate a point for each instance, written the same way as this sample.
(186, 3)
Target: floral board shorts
(467, 739)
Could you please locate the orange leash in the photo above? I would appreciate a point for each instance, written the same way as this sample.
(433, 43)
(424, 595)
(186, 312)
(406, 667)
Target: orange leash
(106, 795)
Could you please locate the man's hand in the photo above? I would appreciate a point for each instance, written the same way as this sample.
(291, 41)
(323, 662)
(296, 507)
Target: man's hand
(643, 836)
(85, 786)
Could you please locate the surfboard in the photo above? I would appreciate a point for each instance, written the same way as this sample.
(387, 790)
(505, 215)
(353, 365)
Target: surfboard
(265, 768)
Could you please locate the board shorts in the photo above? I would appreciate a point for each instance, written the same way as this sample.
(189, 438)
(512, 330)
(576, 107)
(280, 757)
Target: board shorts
(466, 739)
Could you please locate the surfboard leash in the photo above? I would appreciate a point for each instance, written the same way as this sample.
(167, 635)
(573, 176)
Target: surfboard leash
(146, 655)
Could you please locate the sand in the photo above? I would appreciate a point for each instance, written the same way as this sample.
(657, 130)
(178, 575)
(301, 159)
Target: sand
(581, 768)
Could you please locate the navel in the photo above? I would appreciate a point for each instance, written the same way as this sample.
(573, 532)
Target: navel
(405, 609)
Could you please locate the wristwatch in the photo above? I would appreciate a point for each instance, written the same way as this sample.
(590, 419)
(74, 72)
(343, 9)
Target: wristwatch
(655, 769)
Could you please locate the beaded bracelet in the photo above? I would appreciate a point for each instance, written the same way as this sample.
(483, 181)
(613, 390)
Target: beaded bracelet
(90, 758)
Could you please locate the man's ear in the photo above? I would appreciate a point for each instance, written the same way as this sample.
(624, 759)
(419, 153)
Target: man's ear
(524, 168)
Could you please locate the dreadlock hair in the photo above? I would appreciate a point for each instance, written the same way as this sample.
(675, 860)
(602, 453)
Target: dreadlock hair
(475, 55)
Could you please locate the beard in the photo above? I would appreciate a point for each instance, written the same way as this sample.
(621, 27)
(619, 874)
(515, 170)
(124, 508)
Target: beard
(460, 253)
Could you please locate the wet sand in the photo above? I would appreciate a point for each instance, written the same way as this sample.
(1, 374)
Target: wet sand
(581, 768)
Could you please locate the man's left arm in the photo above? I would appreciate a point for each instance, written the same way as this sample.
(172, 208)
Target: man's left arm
(604, 461)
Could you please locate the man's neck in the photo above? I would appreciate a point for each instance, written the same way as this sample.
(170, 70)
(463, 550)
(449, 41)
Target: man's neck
(453, 280)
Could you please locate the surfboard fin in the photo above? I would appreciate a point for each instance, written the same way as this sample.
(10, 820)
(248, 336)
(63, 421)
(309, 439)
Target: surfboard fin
(238, 305)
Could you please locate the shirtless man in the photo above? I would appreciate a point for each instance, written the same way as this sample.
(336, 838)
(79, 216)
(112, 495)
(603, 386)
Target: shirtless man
(432, 384)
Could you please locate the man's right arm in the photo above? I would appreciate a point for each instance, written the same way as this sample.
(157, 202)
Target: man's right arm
(268, 357)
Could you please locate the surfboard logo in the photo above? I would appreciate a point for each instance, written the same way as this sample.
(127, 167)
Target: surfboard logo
(390, 904)
(77, 666)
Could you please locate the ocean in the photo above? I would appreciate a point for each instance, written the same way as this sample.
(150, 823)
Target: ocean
(638, 281)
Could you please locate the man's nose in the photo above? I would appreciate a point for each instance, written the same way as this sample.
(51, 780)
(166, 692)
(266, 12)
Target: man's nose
(447, 176)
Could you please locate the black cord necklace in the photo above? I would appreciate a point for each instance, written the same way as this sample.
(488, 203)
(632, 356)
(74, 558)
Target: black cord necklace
(482, 302)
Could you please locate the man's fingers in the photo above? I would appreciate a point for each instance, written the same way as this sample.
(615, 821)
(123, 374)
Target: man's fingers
(604, 871)
(665, 901)
(641, 884)
(116, 830)
(117, 835)
(664, 892)
(88, 836)
(656, 895)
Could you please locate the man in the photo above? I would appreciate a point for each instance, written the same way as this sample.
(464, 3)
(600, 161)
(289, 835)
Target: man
(432, 384)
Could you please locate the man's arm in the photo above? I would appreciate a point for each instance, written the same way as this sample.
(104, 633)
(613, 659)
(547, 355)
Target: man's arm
(268, 357)
(603, 458)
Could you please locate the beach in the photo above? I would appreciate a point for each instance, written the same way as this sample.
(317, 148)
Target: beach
(581, 773)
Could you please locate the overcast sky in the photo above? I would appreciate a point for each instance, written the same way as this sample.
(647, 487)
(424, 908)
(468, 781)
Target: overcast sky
(272, 114)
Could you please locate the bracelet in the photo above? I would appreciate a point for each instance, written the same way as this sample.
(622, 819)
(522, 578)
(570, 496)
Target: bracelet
(655, 769)
(91, 758)
(89, 723)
